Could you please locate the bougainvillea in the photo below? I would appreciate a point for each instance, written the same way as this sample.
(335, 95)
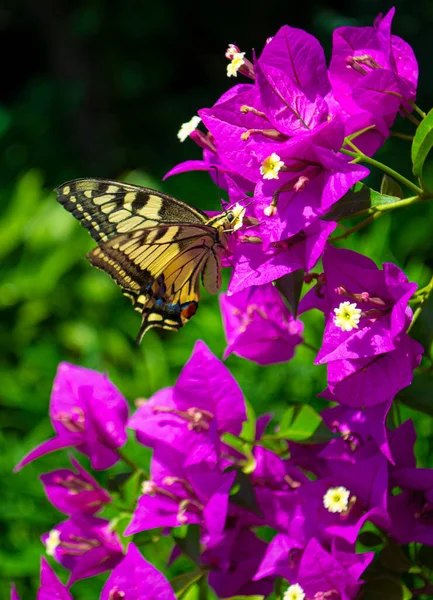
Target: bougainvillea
(262, 511)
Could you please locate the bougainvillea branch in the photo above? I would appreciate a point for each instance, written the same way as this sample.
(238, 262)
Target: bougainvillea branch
(317, 506)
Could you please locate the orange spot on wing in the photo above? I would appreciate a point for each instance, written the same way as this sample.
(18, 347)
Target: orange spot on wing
(189, 311)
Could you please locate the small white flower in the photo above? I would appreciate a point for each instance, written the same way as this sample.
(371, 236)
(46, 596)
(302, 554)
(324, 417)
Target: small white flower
(148, 488)
(294, 592)
(235, 64)
(336, 500)
(271, 166)
(347, 316)
(187, 128)
(52, 541)
(231, 51)
(238, 213)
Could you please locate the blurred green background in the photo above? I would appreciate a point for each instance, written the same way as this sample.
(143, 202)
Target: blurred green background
(93, 88)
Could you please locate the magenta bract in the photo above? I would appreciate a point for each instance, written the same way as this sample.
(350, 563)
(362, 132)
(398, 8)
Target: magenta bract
(88, 413)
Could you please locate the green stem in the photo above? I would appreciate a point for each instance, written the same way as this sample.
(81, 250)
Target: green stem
(418, 110)
(357, 227)
(426, 290)
(129, 462)
(381, 208)
(245, 441)
(278, 588)
(402, 136)
(310, 347)
(397, 413)
(399, 203)
(410, 117)
(416, 314)
(121, 508)
(421, 296)
(357, 154)
(375, 212)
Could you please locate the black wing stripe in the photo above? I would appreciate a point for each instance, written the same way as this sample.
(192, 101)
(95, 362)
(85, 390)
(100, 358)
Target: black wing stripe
(107, 207)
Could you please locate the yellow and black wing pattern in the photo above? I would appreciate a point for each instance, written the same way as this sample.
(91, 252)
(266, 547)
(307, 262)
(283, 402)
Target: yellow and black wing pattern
(155, 247)
(107, 208)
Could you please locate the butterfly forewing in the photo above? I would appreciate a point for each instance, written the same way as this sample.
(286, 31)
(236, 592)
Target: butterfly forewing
(107, 208)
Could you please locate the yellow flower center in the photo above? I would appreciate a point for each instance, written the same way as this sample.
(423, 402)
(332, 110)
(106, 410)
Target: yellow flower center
(336, 500)
(347, 316)
(235, 64)
(294, 592)
(238, 213)
(270, 166)
(52, 541)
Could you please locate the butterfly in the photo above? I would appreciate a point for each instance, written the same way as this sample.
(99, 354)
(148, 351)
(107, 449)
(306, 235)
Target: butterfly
(154, 246)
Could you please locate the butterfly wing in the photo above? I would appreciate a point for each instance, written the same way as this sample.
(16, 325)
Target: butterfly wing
(107, 208)
(159, 268)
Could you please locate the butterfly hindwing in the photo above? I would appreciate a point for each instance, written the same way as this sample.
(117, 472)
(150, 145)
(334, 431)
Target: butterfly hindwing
(159, 268)
(107, 208)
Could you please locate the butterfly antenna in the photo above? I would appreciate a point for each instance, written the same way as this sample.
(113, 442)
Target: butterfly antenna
(252, 226)
(217, 174)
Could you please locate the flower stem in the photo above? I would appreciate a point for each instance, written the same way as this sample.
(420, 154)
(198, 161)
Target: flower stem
(420, 297)
(418, 110)
(357, 154)
(402, 136)
(398, 204)
(357, 227)
(310, 347)
(416, 314)
(373, 212)
(410, 117)
(425, 291)
(129, 462)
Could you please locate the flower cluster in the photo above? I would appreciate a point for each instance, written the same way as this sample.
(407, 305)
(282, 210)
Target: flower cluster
(315, 498)
(281, 146)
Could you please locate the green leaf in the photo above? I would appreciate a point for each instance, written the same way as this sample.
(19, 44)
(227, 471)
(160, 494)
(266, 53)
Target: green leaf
(118, 524)
(249, 426)
(131, 489)
(425, 556)
(394, 559)
(243, 493)
(389, 187)
(23, 206)
(378, 199)
(245, 598)
(382, 588)
(190, 543)
(203, 589)
(418, 395)
(248, 433)
(355, 200)
(299, 422)
(422, 144)
(181, 583)
(290, 286)
(407, 594)
(321, 435)
(361, 199)
(369, 539)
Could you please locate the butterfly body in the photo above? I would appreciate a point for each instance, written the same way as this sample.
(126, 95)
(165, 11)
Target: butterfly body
(154, 246)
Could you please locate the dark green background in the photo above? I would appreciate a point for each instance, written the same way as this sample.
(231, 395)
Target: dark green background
(93, 88)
